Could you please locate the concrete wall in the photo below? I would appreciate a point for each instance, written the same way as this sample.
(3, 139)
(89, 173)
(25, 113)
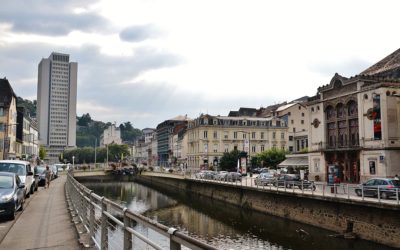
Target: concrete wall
(375, 222)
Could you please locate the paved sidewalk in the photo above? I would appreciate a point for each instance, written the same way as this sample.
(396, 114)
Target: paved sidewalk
(45, 223)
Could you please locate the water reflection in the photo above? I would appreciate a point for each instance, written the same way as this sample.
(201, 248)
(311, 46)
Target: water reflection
(222, 225)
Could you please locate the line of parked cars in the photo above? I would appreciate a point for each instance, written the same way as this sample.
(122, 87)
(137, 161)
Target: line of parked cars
(385, 187)
(219, 176)
(18, 180)
(283, 180)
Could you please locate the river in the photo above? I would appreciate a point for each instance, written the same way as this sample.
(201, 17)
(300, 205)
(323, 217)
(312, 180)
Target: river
(222, 225)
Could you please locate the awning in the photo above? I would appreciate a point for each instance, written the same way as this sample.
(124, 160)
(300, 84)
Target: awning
(295, 161)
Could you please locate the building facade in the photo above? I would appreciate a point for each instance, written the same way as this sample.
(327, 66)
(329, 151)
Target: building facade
(8, 121)
(209, 137)
(56, 104)
(111, 135)
(164, 135)
(355, 125)
(296, 117)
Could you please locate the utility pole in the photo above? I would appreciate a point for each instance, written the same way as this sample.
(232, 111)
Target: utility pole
(95, 146)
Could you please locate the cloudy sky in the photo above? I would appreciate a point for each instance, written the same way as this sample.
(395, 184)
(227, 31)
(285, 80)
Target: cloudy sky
(146, 61)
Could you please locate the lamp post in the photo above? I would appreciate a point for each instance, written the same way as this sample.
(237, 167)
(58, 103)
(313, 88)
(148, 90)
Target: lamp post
(73, 162)
(4, 137)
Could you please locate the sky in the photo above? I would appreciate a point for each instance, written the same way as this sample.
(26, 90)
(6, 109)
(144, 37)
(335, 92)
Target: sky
(146, 61)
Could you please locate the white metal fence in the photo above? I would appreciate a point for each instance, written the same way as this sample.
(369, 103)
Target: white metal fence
(111, 226)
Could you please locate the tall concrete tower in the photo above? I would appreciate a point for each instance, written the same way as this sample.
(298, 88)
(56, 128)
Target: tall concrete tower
(56, 104)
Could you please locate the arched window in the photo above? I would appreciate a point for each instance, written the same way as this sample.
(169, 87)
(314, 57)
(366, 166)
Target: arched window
(330, 113)
(352, 108)
(340, 110)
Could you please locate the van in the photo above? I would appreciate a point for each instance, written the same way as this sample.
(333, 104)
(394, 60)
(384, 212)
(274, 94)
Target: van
(23, 169)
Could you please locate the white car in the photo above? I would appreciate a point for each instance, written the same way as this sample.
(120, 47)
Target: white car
(23, 169)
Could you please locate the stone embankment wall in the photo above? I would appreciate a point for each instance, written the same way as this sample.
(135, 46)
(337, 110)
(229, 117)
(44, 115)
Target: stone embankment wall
(375, 222)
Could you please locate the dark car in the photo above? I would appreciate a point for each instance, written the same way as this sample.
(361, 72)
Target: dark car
(387, 187)
(12, 194)
(39, 170)
(293, 180)
(264, 179)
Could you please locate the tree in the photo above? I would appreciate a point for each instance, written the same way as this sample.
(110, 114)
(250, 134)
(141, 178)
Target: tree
(271, 157)
(84, 120)
(42, 152)
(229, 160)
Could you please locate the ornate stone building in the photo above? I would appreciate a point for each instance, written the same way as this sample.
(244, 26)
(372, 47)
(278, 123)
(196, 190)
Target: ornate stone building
(354, 125)
(210, 136)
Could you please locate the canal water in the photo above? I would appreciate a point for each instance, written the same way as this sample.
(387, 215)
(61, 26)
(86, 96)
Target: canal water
(221, 225)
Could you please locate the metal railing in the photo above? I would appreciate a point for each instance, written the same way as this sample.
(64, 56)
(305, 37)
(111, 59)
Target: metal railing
(111, 226)
(342, 191)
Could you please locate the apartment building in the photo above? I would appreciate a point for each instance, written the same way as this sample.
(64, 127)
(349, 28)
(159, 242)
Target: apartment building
(164, 135)
(354, 124)
(56, 105)
(209, 137)
(8, 121)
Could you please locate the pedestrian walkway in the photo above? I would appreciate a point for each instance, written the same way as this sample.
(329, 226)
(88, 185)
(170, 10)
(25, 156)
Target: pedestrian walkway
(45, 223)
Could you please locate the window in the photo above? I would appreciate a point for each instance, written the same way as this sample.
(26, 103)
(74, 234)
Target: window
(215, 135)
(253, 135)
(294, 129)
(226, 148)
(273, 135)
(215, 149)
(290, 148)
(302, 114)
(299, 107)
(288, 113)
(2, 126)
(244, 136)
(292, 121)
(262, 135)
(253, 148)
(1, 111)
(302, 121)
(262, 148)
(205, 134)
(235, 135)
(226, 134)
(372, 167)
(290, 138)
(316, 165)
(282, 135)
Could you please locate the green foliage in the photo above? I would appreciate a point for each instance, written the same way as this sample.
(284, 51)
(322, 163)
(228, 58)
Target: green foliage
(42, 152)
(229, 160)
(30, 106)
(128, 132)
(271, 158)
(84, 120)
(86, 154)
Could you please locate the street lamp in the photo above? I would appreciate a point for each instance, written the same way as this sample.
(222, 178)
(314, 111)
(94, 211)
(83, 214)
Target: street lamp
(73, 162)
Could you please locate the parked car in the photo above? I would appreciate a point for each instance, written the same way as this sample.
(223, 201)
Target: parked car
(387, 187)
(12, 194)
(264, 179)
(293, 180)
(234, 176)
(221, 176)
(54, 172)
(23, 170)
(39, 170)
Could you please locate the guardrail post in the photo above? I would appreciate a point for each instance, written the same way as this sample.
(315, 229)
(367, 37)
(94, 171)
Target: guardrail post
(92, 217)
(104, 230)
(362, 192)
(379, 195)
(84, 209)
(127, 235)
(172, 244)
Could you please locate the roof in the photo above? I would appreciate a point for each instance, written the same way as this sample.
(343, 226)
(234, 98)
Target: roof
(386, 66)
(14, 161)
(294, 161)
(179, 118)
(283, 107)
